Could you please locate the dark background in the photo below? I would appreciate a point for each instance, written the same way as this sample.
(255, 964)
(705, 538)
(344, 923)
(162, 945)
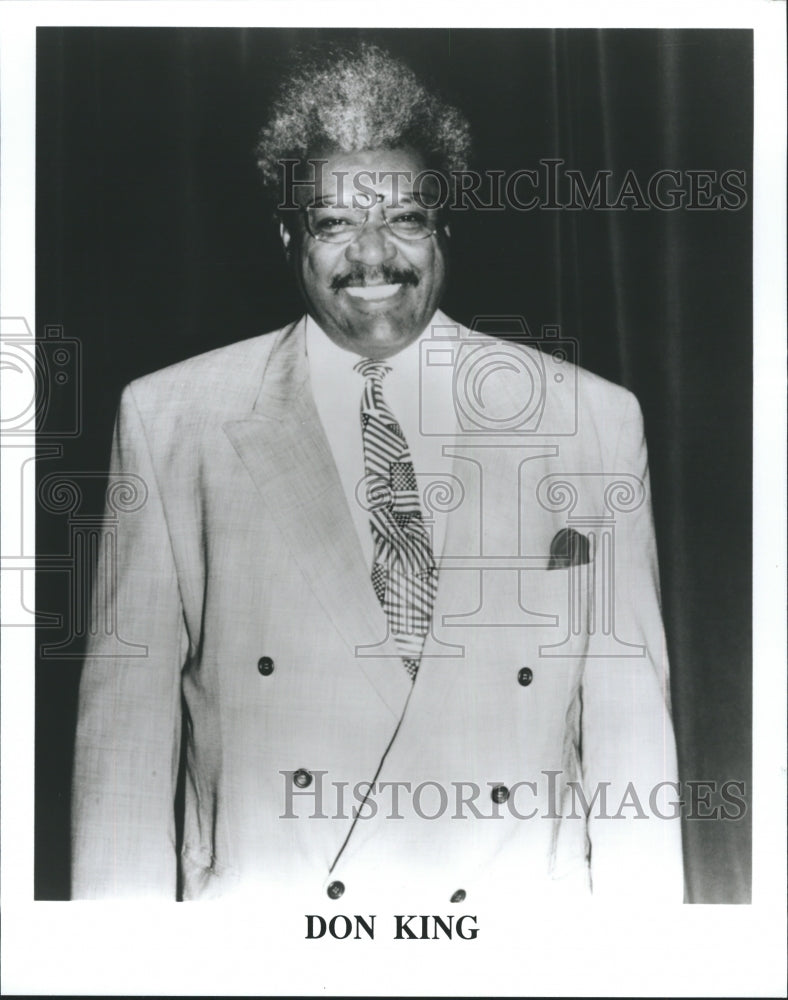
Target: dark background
(153, 244)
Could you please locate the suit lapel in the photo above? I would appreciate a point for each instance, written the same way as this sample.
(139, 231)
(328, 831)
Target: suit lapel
(284, 449)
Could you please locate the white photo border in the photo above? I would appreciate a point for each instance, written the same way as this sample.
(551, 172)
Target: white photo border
(70, 948)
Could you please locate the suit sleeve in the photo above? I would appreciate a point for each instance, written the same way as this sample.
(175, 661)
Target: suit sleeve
(628, 743)
(129, 717)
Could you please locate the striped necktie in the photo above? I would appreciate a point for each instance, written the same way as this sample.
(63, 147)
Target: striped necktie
(404, 574)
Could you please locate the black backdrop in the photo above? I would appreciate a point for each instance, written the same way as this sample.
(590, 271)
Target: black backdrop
(153, 244)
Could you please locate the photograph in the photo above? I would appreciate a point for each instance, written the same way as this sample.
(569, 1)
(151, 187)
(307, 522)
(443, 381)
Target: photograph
(235, 531)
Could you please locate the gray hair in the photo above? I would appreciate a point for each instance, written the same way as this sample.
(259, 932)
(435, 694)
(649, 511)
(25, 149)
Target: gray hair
(359, 98)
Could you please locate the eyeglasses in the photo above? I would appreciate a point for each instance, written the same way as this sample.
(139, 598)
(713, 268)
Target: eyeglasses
(338, 224)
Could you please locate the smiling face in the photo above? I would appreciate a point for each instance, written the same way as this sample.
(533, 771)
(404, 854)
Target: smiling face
(376, 293)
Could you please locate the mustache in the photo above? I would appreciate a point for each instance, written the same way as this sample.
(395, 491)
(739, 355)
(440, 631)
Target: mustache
(386, 275)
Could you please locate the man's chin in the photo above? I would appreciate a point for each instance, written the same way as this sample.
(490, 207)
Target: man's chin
(377, 335)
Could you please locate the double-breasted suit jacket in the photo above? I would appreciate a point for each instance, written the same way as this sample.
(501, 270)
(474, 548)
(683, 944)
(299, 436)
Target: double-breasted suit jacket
(530, 755)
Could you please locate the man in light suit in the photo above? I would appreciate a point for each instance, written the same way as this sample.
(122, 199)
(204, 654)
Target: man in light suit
(393, 581)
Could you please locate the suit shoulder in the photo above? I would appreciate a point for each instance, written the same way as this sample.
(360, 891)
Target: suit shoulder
(555, 370)
(599, 391)
(224, 378)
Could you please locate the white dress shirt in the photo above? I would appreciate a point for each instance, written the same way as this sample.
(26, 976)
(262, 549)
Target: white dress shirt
(420, 397)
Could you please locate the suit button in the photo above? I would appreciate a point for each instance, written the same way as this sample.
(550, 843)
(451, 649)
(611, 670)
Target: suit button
(500, 793)
(302, 778)
(458, 896)
(265, 665)
(524, 676)
(335, 890)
